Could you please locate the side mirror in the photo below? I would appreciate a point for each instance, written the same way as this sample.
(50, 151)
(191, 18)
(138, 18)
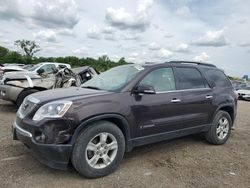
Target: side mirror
(40, 71)
(144, 89)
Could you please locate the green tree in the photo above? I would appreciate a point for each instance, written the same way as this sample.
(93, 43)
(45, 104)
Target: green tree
(3, 53)
(13, 57)
(122, 61)
(28, 47)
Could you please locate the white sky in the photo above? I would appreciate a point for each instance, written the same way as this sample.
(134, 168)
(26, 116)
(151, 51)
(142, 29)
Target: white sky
(215, 31)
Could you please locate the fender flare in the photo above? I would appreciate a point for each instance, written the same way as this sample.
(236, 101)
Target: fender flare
(86, 122)
(222, 106)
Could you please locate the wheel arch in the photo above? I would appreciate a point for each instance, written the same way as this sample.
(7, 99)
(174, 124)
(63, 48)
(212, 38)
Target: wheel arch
(227, 108)
(119, 120)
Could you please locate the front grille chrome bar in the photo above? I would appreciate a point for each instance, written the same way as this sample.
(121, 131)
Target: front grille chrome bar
(21, 130)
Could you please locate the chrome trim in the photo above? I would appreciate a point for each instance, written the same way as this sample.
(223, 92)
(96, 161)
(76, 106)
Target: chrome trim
(21, 131)
(209, 97)
(175, 100)
(197, 89)
(33, 99)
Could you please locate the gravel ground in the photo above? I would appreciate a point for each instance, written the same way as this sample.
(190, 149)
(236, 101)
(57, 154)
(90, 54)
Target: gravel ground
(185, 162)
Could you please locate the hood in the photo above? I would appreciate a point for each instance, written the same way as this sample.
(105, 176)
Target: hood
(244, 91)
(66, 93)
(21, 75)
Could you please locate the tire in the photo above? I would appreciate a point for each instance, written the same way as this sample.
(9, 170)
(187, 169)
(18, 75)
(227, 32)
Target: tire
(83, 152)
(22, 96)
(221, 128)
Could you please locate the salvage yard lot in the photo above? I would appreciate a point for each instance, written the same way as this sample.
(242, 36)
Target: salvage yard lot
(185, 162)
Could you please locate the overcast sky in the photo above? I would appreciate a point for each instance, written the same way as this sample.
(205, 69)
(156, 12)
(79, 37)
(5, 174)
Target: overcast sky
(215, 31)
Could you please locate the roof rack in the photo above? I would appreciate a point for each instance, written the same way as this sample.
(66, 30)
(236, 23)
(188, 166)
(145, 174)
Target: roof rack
(192, 62)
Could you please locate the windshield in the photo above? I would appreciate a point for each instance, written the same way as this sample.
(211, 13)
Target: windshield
(114, 79)
(34, 67)
(27, 67)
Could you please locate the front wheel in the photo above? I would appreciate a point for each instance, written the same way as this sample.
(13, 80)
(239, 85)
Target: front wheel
(221, 128)
(99, 150)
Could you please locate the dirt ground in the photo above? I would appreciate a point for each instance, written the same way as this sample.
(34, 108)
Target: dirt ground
(185, 162)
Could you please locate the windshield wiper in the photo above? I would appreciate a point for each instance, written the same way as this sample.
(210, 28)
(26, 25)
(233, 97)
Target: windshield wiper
(91, 87)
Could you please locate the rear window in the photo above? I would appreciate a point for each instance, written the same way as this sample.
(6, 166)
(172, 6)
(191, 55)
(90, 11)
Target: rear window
(190, 78)
(218, 78)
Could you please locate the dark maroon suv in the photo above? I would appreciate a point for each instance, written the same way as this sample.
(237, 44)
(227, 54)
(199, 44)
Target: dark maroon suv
(127, 106)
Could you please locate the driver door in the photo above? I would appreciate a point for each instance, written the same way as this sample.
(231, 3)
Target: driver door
(160, 112)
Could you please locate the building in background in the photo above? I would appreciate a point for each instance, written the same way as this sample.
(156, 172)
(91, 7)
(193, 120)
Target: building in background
(245, 77)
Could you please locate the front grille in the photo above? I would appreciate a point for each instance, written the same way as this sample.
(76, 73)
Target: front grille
(26, 108)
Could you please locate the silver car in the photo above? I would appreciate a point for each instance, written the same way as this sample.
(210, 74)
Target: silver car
(15, 86)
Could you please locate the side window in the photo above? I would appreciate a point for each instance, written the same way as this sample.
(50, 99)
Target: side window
(190, 78)
(161, 79)
(218, 77)
(49, 68)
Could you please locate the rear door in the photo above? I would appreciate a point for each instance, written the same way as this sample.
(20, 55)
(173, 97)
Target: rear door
(196, 96)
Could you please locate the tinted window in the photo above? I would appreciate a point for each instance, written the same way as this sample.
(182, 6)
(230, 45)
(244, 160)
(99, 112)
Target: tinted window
(190, 78)
(218, 77)
(161, 79)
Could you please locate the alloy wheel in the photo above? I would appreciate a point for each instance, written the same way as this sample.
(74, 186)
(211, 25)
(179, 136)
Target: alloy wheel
(101, 150)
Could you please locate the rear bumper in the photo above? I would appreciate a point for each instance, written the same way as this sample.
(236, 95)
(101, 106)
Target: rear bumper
(9, 93)
(52, 155)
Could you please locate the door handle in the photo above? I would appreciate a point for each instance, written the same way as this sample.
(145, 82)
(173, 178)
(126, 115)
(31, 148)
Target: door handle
(209, 96)
(175, 100)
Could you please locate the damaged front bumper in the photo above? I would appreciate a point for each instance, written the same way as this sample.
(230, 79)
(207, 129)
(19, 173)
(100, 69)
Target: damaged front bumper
(56, 156)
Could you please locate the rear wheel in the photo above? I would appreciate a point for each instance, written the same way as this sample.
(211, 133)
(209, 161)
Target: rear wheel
(221, 129)
(98, 150)
(24, 94)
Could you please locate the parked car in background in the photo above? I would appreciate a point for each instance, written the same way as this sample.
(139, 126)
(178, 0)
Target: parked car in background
(244, 93)
(11, 68)
(127, 106)
(13, 64)
(15, 86)
(48, 67)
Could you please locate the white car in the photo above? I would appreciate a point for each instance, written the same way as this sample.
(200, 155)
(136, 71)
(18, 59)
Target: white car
(47, 67)
(244, 93)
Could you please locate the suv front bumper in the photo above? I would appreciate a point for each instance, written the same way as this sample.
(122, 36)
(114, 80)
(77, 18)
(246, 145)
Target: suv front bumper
(56, 156)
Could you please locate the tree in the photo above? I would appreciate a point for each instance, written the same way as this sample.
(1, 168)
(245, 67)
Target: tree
(13, 57)
(3, 51)
(28, 47)
(122, 61)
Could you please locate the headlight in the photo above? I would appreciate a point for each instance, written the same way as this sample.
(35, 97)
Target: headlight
(54, 109)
